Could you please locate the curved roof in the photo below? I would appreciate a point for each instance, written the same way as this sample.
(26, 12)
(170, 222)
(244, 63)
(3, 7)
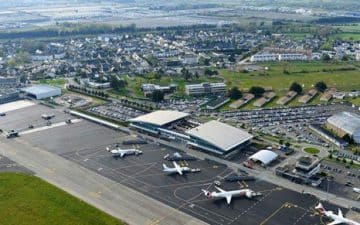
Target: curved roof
(264, 156)
(160, 117)
(219, 134)
(347, 121)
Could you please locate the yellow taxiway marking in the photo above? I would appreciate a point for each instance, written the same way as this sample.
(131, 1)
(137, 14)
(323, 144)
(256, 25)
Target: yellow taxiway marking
(285, 205)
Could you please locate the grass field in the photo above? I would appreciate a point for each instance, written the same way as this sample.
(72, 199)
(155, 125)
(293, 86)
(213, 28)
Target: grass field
(305, 73)
(27, 200)
(312, 151)
(59, 82)
(355, 101)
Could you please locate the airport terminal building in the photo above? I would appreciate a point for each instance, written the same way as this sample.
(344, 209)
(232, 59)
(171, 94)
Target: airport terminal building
(213, 136)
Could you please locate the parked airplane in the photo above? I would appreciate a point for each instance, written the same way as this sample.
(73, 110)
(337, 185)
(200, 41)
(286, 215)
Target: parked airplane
(229, 194)
(337, 219)
(176, 169)
(357, 190)
(118, 152)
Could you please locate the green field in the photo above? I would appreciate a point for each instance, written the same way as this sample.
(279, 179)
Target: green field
(27, 200)
(59, 82)
(305, 73)
(355, 101)
(312, 151)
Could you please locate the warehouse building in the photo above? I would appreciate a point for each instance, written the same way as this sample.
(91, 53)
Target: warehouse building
(8, 95)
(177, 126)
(8, 81)
(345, 123)
(42, 91)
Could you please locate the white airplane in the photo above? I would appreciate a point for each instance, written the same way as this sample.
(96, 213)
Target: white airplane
(118, 152)
(357, 190)
(337, 219)
(229, 194)
(176, 169)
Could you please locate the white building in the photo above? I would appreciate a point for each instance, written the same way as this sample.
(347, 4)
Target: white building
(205, 88)
(278, 57)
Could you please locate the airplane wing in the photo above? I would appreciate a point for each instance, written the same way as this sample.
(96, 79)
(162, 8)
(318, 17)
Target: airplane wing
(122, 154)
(219, 189)
(340, 213)
(178, 168)
(335, 222)
(228, 199)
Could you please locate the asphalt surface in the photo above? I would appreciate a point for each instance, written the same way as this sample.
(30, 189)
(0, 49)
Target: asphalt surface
(7, 165)
(73, 157)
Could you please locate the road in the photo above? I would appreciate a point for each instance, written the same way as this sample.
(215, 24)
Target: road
(103, 193)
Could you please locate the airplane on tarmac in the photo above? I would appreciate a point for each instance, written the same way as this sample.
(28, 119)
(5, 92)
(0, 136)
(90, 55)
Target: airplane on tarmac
(229, 194)
(118, 152)
(177, 169)
(357, 190)
(337, 219)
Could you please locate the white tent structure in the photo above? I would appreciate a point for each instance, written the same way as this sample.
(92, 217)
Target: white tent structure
(264, 156)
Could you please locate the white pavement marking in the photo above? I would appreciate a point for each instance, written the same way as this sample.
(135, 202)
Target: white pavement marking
(49, 127)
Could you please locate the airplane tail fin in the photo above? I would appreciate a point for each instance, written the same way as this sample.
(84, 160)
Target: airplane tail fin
(108, 149)
(320, 207)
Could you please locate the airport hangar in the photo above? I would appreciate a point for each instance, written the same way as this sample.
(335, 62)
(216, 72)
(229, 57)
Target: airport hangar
(41, 91)
(213, 136)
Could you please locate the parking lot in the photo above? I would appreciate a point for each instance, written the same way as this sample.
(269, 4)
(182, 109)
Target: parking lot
(85, 143)
(343, 181)
(116, 110)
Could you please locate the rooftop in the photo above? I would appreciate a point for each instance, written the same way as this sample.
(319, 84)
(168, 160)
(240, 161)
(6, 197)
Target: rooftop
(347, 121)
(160, 117)
(39, 89)
(220, 134)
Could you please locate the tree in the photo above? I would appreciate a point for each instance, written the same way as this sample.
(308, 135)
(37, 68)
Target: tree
(232, 58)
(257, 91)
(234, 93)
(185, 73)
(330, 156)
(157, 96)
(321, 86)
(287, 144)
(296, 87)
(325, 57)
(117, 83)
(348, 139)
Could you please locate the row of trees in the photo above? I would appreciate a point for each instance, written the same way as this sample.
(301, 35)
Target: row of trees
(320, 86)
(234, 93)
(96, 93)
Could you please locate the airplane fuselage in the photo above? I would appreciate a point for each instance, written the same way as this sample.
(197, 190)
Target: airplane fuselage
(234, 193)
